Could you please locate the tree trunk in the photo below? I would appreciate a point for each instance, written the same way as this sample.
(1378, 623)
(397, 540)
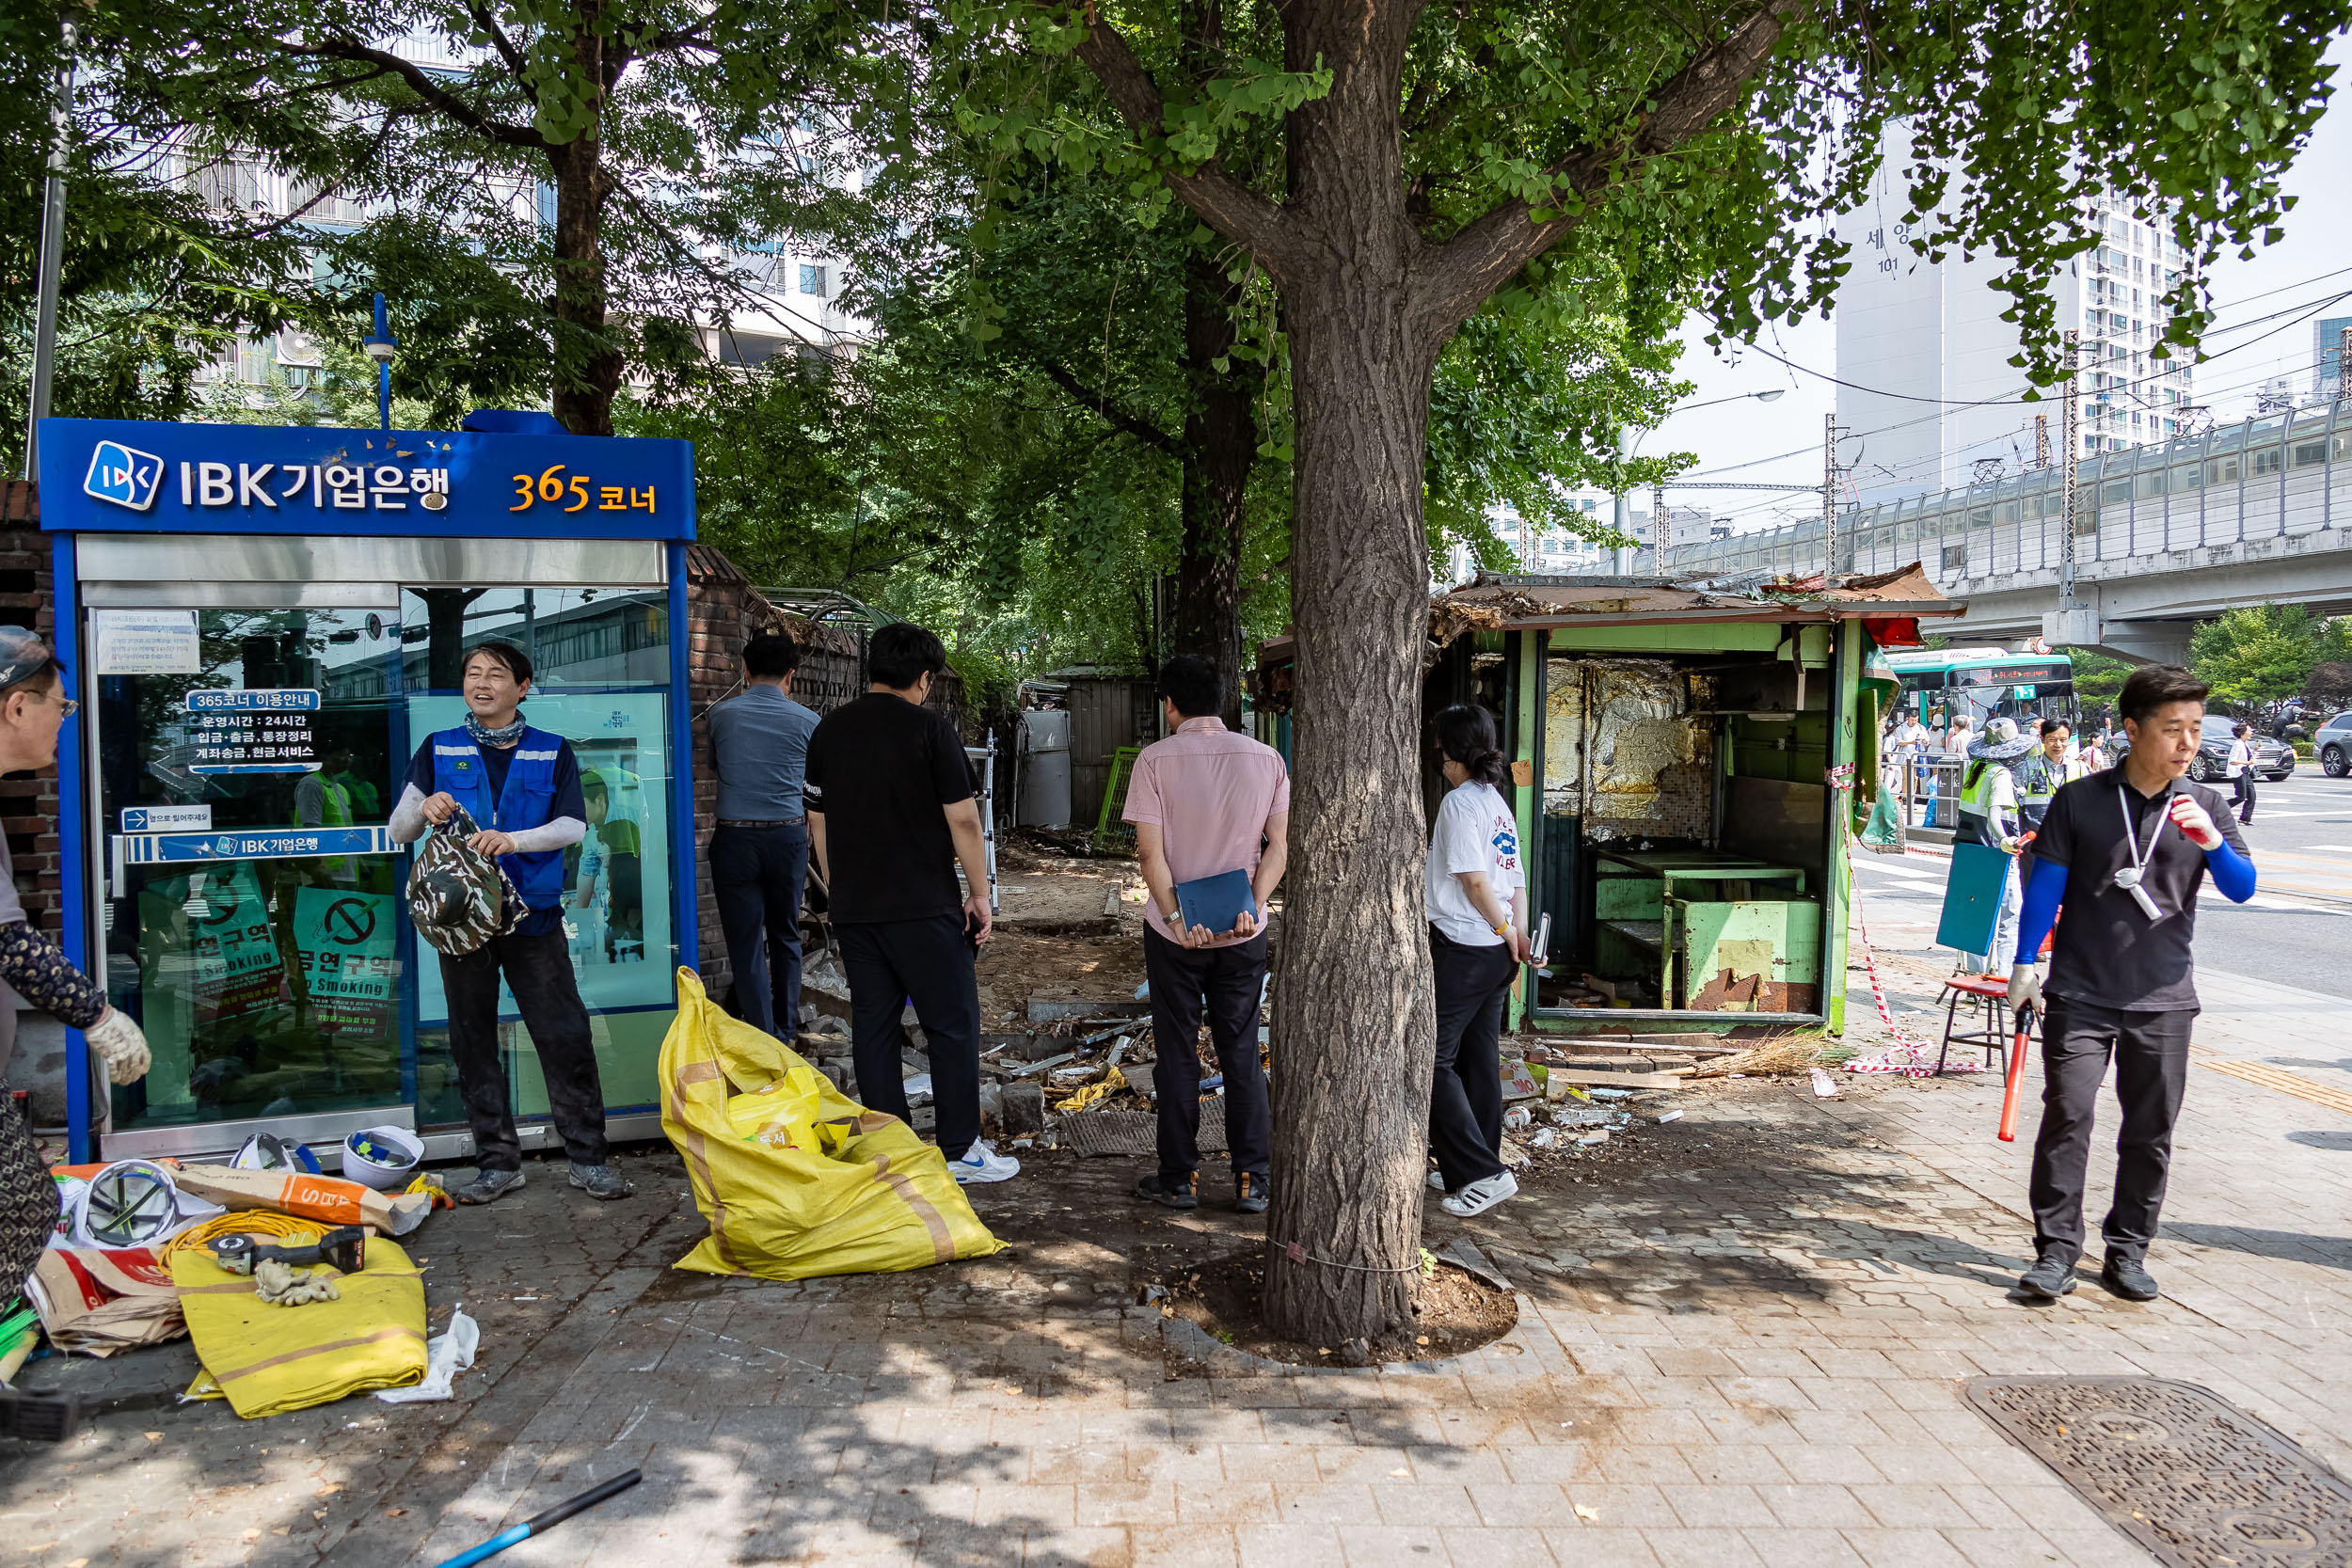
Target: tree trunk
(587, 364)
(1220, 448)
(445, 635)
(1354, 1024)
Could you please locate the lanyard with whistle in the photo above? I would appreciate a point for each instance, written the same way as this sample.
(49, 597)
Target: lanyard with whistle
(2130, 878)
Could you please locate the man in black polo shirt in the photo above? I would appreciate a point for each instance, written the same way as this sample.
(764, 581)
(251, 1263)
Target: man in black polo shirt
(890, 813)
(2125, 851)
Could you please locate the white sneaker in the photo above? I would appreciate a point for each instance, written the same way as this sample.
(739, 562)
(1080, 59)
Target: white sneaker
(1479, 1197)
(1437, 1181)
(981, 1164)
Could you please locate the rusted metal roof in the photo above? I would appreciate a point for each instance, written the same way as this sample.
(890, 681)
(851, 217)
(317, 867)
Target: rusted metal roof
(1517, 602)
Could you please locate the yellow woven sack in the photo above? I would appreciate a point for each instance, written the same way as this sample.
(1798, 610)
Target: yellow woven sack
(267, 1360)
(796, 1179)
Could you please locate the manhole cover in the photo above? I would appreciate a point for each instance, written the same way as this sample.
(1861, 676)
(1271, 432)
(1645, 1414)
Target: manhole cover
(2190, 1477)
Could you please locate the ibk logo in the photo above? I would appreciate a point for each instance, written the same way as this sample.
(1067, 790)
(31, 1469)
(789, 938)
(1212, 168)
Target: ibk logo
(123, 476)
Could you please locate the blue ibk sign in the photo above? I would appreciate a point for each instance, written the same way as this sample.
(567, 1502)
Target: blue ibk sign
(289, 844)
(120, 475)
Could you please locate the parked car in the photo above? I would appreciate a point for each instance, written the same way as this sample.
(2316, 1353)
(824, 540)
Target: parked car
(2273, 759)
(2331, 743)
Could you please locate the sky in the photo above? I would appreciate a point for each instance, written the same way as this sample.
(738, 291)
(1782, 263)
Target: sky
(2312, 261)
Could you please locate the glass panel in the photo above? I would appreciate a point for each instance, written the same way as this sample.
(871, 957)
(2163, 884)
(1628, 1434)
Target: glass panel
(601, 680)
(2185, 477)
(267, 980)
(2310, 453)
(2149, 483)
(2267, 461)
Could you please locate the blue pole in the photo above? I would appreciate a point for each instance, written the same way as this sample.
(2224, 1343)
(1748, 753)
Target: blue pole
(538, 1522)
(684, 898)
(383, 368)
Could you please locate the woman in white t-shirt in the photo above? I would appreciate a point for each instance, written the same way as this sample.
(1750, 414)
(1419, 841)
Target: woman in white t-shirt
(1477, 898)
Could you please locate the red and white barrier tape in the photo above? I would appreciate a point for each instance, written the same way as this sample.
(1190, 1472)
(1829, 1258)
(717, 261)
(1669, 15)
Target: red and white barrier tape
(1909, 1058)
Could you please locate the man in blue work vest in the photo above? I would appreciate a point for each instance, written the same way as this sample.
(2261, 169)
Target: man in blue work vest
(522, 786)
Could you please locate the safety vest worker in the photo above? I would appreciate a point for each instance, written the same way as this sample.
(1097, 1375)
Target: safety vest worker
(522, 786)
(1988, 791)
(525, 800)
(2039, 775)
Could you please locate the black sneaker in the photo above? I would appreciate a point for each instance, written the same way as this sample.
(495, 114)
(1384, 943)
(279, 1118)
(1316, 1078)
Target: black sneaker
(2051, 1277)
(1183, 1194)
(1249, 1194)
(600, 1181)
(488, 1184)
(2128, 1279)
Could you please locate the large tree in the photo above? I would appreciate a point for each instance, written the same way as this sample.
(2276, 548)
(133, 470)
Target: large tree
(1038, 322)
(1437, 157)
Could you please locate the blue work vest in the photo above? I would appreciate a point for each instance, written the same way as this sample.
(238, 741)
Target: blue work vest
(527, 801)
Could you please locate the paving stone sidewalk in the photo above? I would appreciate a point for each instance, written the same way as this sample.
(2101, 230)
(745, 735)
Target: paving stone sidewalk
(1742, 1344)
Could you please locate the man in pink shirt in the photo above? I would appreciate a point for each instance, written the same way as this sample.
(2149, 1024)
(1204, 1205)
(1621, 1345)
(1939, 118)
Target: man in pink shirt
(1206, 801)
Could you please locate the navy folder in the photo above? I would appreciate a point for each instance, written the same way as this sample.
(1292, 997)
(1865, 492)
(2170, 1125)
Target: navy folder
(1215, 902)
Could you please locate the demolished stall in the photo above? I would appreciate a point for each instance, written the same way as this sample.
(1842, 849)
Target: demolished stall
(1686, 758)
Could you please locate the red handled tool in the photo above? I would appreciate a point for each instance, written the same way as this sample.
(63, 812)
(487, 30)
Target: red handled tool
(2016, 1074)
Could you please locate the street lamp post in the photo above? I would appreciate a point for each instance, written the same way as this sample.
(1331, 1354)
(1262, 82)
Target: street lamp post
(51, 264)
(1629, 441)
(381, 345)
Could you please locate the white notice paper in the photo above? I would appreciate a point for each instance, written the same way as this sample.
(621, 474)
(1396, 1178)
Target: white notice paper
(147, 642)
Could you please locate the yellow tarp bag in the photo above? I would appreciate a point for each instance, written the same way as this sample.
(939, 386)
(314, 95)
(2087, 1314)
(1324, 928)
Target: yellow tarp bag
(267, 1360)
(796, 1179)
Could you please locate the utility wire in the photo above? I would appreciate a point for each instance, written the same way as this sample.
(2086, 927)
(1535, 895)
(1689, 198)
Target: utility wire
(2308, 311)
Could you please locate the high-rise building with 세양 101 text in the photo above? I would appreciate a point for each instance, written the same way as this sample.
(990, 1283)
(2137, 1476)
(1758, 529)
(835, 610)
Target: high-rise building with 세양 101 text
(1928, 393)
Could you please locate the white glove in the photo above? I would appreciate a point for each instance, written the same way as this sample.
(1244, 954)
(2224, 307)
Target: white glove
(2194, 824)
(2024, 987)
(122, 1044)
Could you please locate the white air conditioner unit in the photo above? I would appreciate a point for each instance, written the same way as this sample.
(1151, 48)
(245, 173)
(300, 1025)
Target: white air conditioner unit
(296, 347)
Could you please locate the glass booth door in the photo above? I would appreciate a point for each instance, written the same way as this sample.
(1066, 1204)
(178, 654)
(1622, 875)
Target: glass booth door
(248, 757)
(243, 757)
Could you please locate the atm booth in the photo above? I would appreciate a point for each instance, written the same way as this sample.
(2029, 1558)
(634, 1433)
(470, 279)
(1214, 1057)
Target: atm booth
(260, 625)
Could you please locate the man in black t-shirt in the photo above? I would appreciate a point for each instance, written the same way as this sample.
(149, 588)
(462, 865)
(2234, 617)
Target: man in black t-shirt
(2125, 851)
(890, 813)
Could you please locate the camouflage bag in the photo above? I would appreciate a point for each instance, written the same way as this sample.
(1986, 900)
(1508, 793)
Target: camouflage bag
(458, 896)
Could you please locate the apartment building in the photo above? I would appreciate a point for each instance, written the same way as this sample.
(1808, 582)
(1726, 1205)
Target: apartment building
(1924, 356)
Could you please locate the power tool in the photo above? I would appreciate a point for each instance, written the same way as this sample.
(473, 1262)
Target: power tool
(344, 1248)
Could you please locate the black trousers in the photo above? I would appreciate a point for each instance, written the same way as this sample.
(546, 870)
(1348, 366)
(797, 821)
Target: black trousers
(758, 874)
(2243, 793)
(2150, 1056)
(538, 971)
(1225, 982)
(928, 962)
(1465, 1094)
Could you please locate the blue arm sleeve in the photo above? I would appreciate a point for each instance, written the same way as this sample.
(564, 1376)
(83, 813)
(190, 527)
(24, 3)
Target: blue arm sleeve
(2044, 890)
(2233, 873)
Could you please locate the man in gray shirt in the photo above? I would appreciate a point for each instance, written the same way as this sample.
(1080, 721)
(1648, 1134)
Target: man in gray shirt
(759, 852)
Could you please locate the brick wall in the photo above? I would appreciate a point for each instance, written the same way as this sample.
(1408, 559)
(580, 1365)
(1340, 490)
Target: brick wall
(28, 802)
